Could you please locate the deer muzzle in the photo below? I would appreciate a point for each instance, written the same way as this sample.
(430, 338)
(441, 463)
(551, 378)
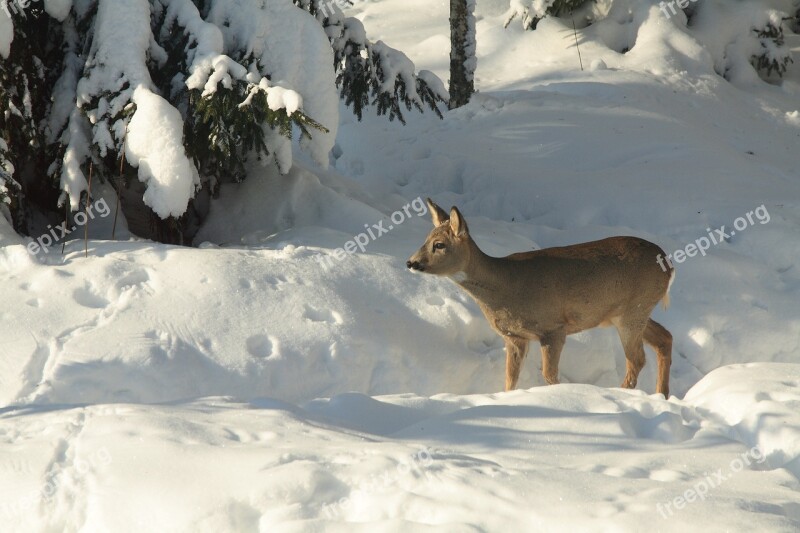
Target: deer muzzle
(415, 265)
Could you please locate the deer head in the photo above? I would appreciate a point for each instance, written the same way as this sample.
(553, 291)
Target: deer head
(446, 251)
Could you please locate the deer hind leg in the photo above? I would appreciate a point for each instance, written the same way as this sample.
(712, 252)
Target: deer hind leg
(516, 350)
(551, 352)
(657, 337)
(631, 333)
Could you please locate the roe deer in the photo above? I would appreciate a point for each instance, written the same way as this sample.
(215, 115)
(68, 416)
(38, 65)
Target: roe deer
(548, 294)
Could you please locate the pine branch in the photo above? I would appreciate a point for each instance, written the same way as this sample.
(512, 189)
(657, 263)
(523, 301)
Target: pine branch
(365, 81)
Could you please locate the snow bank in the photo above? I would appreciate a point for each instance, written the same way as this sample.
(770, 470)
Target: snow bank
(729, 32)
(575, 457)
(760, 403)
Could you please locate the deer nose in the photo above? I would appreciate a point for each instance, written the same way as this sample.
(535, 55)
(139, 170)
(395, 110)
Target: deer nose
(414, 265)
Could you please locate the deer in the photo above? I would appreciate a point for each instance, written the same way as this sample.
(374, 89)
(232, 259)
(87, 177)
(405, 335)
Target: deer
(547, 294)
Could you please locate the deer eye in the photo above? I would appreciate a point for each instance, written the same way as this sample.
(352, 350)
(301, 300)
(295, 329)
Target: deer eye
(438, 246)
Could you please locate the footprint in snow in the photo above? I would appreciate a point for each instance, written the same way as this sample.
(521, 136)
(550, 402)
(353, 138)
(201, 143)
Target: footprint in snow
(87, 298)
(275, 281)
(261, 346)
(133, 279)
(421, 152)
(322, 315)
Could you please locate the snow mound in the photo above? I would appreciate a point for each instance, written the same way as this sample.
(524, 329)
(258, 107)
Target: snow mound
(582, 456)
(153, 144)
(761, 404)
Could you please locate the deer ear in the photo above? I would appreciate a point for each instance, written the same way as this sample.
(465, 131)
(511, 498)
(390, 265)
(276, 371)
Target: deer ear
(437, 213)
(457, 223)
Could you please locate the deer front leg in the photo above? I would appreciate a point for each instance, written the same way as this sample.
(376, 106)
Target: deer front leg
(516, 350)
(551, 353)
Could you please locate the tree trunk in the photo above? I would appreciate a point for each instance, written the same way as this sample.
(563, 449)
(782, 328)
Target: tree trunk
(462, 51)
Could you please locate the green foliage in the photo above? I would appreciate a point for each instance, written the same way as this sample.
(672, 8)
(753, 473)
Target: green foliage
(558, 8)
(25, 81)
(6, 178)
(359, 66)
(773, 57)
(392, 103)
(43, 121)
(363, 80)
(75, 38)
(351, 78)
(222, 128)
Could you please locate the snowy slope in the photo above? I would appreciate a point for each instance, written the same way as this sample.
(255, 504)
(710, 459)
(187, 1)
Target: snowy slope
(564, 458)
(245, 386)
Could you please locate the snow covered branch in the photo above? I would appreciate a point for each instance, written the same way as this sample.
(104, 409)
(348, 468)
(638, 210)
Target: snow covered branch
(374, 73)
(184, 89)
(530, 12)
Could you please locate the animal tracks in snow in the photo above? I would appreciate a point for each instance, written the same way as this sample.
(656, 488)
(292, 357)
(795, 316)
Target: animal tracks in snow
(322, 315)
(262, 346)
(87, 297)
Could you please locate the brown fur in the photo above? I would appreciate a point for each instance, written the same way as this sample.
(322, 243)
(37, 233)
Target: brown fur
(548, 294)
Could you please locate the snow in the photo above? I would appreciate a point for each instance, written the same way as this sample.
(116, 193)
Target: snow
(281, 98)
(302, 63)
(395, 63)
(118, 53)
(58, 9)
(435, 83)
(73, 181)
(243, 385)
(758, 405)
(118, 61)
(6, 33)
(717, 25)
(154, 145)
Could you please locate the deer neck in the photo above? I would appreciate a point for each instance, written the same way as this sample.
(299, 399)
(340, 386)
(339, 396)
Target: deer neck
(480, 277)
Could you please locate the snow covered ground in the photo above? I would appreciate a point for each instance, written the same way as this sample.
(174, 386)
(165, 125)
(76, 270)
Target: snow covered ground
(259, 383)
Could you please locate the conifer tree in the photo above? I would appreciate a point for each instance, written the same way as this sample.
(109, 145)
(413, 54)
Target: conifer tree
(531, 12)
(185, 93)
(370, 73)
